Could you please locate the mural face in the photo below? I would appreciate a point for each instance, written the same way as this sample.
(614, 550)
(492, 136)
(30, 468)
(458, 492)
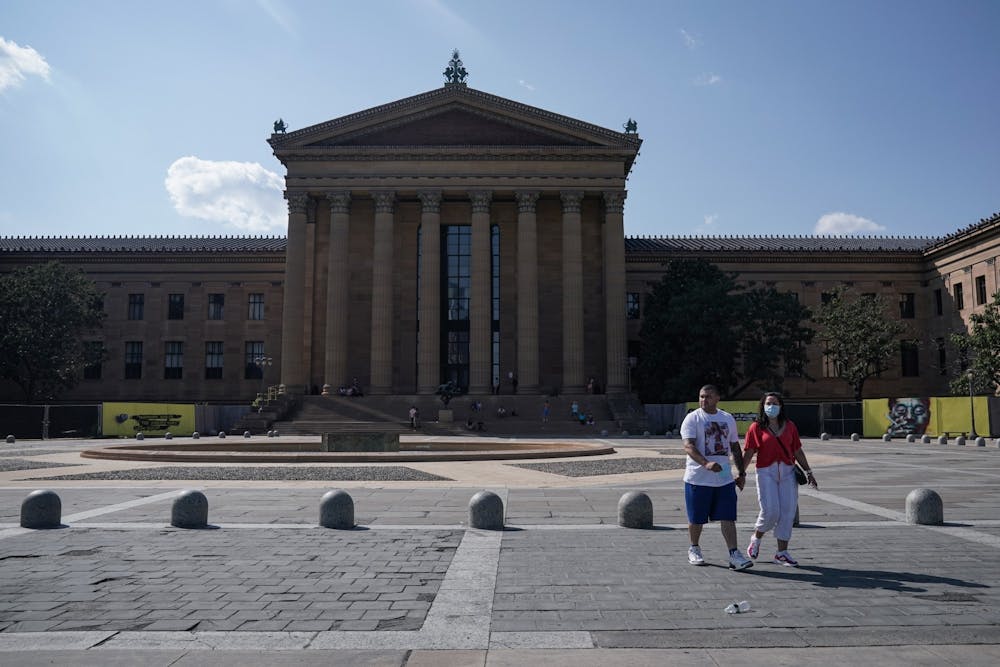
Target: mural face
(908, 416)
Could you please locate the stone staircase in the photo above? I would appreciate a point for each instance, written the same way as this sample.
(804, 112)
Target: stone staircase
(316, 415)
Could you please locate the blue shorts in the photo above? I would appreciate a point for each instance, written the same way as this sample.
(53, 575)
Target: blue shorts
(710, 503)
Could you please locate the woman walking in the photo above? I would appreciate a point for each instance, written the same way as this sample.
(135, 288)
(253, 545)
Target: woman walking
(774, 439)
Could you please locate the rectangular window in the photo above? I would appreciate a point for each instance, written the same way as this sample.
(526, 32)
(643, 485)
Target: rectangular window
(215, 305)
(213, 360)
(133, 359)
(938, 302)
(254, 353)
(980, 290)
(175, 307)
(942, 357)
(959, 297)
(136, 304)
(909, 358)
(907, 306)
(632, 306)
(173, 360)
(256, 307)
(94, 351)
(830, 368)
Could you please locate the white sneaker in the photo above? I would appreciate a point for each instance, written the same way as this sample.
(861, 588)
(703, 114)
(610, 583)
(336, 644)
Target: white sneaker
(694, 556)
(785, 558)
(753, 550)
(738, 561)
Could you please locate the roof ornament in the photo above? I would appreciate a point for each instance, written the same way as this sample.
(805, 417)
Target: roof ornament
(631, 127)
(455, 72)
(279, 126)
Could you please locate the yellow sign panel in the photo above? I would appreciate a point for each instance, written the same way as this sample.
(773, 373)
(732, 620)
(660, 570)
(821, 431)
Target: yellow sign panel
(900, 417)
(744, 412)
(127, 419)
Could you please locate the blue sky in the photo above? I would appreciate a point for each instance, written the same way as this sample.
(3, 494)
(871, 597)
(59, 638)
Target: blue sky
(791, 117)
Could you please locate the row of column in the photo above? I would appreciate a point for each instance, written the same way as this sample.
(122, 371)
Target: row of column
(294, 374)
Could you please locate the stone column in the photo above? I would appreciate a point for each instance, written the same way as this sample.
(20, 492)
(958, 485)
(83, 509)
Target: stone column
(337, 310)
(429, 351)
(572, 293)
(292, 314)
(382, 311)
(614, 292)
(527, 292)
(480, 306)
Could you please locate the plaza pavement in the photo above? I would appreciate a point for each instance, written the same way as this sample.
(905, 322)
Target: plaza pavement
(563, 584)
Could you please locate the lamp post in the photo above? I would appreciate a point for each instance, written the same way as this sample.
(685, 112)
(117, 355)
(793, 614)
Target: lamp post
(972, 407)
(262, 362)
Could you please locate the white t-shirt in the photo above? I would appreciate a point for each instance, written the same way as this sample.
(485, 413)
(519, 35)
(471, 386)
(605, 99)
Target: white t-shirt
(713, 435)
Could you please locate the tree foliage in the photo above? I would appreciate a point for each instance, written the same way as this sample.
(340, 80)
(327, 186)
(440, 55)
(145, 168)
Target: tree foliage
(700, 328)
(46, 310)
(858, 336)
(980, 346)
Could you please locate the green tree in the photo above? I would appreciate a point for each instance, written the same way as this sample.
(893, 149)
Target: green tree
(688, 333)
(700, 328)
(774, 336)
(980, 346)
(858, 336)
(46, 310)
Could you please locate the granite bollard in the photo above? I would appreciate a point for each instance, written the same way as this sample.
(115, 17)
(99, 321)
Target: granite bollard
(168, 436)
(980, 441)
(222, 434)
(942, 440)
(190, 510)
(196, 435)
(924, 507)
(635, 510)
(336, 510)
(855, 437)
(960, 440)
(140, 436)
(486, 511)
(886, 437)
(41, 509)
(824, 436)
(246, 434)
(911, 438)
(926, 439)
(10, 439)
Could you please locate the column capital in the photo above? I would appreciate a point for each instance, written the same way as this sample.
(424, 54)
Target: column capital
(526, 200)
(481, 200)
(571, 200)
(298, 202)
(614, 201)
(431, 200)
(340, 201)
(385, 201)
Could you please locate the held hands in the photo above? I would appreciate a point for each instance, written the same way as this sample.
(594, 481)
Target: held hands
(741, 482)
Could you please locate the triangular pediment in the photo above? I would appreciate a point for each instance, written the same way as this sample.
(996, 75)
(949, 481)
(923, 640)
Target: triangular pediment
(455, 125)
(449, 117)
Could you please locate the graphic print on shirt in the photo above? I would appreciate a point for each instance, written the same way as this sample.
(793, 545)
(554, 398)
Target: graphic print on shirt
(717, 439)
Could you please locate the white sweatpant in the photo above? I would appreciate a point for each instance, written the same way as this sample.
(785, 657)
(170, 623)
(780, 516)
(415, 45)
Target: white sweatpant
(778, 493)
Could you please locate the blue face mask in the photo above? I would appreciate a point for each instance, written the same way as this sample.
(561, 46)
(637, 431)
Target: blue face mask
(772, 410)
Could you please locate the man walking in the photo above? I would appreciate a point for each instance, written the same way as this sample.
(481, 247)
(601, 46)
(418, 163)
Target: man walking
(710, 437)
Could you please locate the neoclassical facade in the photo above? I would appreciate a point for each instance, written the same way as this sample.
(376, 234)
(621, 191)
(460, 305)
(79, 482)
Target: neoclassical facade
(460, 236)
(454, 236)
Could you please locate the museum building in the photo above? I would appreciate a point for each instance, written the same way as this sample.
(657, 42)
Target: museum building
(457, 236)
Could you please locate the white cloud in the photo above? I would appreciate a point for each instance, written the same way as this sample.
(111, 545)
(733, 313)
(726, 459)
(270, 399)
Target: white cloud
(707, 225)
(19, 62)
(243, 195)
(525, 84)
(690, 40)
(708, 79)
(842, 224)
